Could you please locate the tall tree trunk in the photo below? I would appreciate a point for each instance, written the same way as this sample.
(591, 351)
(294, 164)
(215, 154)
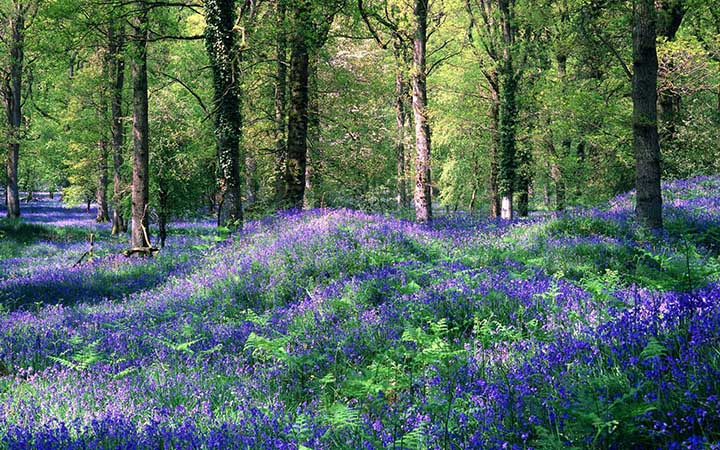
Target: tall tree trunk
(280, 105)
(102, 168)
(116, 44)
(103, 144)
(555, 167)
(224, 59)
(252, 186)
(313, 138)
(645, 133)
(508, 115)
(298, 114)
(524, 179)
(163, 212)
(13, 108)
(494, 116)
(401, 93)
(423, 193)
(140, 179)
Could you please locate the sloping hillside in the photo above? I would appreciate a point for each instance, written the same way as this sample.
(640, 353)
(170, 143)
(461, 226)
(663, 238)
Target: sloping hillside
(340, 329)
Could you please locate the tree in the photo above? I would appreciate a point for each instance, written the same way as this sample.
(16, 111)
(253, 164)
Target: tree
(116, 61)
(16, 19)
(310, 24)
(298, 113)
(423, 186)
(102, 142)
(280, 103)
(400, 41)
(140, 232)
(497, 31)
(645, 131)
(224, 58)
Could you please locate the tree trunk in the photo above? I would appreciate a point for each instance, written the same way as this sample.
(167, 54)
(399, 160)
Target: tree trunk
(645, 132)
(524, 179)
(163, 200)
(401, 93)
(224, 59)
(102, 167)
(523, 204)
(280, 106)
(13, 108)
(555, 167)
(298, 114)
(494, 116)
(116, 43)
(252, 186)
(423, 193)
(140, 179)
(508, 116)
(313, 138)
(102, 161)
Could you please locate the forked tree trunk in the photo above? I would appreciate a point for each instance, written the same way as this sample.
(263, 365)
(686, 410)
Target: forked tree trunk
(140, 232)
(645, 133)
(423, 194)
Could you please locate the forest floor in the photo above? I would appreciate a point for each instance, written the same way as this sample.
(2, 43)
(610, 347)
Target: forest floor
(342, 329)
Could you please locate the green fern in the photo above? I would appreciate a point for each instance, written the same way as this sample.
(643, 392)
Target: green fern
(180, 347)
(340, 416)
(262, 347)
(82, 359)
(653, 349)
(414, 440)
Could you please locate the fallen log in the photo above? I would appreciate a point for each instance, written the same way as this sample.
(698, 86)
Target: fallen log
(141, 251)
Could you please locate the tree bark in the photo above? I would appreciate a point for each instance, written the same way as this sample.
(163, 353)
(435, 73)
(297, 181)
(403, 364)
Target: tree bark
(102, 168)
(224, 59)
(401, 117)
(140, 232)
(252, 185)
(524, 179)
(116, 41)
(102, 143)
(555, 167)
(281, 105)
(313, 148)
(298, 114)
(494, 116)
(508, 115)
(423, 193)
(645, 133)
(12, 94)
